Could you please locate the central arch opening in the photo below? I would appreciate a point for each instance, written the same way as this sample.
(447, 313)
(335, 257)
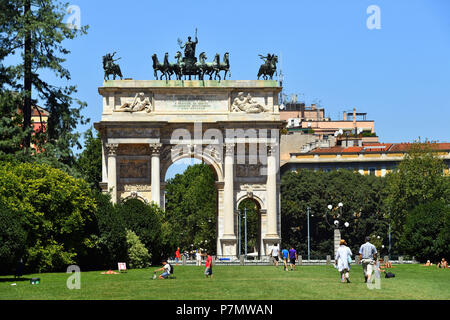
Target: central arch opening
(190, 203)
(249, 228)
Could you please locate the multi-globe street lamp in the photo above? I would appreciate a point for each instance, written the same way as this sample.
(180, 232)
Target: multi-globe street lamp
(337, 222)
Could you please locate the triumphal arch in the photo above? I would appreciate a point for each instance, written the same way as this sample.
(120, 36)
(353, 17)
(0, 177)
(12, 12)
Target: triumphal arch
(231, 125)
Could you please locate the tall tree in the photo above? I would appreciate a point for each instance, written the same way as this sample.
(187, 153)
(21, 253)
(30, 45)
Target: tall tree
(36, 30)
(89, 162)
(362, 209)
(191, 208)
(419, 179)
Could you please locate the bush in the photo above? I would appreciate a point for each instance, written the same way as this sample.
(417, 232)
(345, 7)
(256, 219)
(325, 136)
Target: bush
(427, 232)
(138, 255)
(12, 238)
(58, 213)
(145, 220)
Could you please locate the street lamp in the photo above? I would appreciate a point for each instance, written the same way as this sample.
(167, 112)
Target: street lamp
(245, 232)
(336, 222)
(309, 249)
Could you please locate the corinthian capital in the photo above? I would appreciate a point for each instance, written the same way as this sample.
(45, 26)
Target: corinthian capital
(111, 148)
(272, 149)
(229, 149)
(155, 148)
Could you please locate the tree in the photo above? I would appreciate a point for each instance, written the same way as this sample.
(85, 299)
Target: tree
(12, 238)
(362, 209)
(191, 208)
(427, 231)
(138, 255)
(419, 179)
(145, 220)
(89, 162)
(253, 224)
(36, 30)
(58, 213)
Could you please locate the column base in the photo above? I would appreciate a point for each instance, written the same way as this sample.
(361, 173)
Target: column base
(269, 241)
(228, 244)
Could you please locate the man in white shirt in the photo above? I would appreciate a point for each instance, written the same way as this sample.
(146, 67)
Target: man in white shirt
(167, 270)
(275, 253)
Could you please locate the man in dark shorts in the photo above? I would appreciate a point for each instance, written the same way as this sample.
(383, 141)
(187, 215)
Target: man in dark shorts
(208, 266)
(292, 258)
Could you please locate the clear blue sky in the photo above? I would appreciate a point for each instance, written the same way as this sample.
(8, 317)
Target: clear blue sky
(399, 75)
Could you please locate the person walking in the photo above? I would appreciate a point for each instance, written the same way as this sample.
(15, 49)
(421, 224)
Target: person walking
(177, 255)
(208, 266)
(343, 254)
(292, 258)
(285, 255)
(275, 253)
(367, 256)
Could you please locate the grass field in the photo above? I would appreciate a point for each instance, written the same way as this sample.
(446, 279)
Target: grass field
(234, 283)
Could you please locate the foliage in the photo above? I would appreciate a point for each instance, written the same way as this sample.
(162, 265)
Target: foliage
(144, 220)
(35, 29)
(191, 209)
(427, 232)
(89, 162)
(110, 234)
(362, 209)
(138, 255)
(58, 212)
(12, 238)
(253, 225)
(419, 179)
(11, 133)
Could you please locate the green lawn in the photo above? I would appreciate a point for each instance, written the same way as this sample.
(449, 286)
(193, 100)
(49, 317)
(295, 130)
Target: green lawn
(235, 282)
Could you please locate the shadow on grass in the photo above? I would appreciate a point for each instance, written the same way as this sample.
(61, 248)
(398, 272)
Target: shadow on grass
(14, 279)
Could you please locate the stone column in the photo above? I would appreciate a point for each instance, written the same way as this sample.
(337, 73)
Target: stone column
(229, 192)
(229, 237)
(156, 173)
(111, 149)
(271, 187)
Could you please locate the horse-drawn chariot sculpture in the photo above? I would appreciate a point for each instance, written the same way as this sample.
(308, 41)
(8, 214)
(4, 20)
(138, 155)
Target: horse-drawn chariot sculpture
(189, 66)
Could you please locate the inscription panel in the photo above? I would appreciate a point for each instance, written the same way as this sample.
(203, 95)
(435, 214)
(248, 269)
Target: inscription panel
(191, 103)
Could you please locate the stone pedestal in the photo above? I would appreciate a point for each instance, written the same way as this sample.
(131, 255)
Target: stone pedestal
(337, 239)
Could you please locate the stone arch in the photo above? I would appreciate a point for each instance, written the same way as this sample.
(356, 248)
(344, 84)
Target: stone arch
(259, 203)
(134, 195)
(212, 163)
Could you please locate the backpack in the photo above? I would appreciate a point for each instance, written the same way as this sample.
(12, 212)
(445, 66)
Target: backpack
(389, 275)
(171, 268)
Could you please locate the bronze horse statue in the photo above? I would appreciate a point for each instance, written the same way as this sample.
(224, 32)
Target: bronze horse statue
(162, 67)
(269, 67)
(110, 67)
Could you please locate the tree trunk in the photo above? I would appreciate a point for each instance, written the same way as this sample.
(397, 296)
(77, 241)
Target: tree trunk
(27, 78)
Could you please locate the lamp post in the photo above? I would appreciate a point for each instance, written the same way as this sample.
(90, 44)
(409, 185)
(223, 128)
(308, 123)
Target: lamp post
(337, 231)
(239, 233)
(245, 232)
(309, 249)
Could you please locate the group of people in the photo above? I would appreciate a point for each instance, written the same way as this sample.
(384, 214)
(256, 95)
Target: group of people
(343, 259)
(167, 269)
(286, 255)
(440, 265)
(367, 257)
